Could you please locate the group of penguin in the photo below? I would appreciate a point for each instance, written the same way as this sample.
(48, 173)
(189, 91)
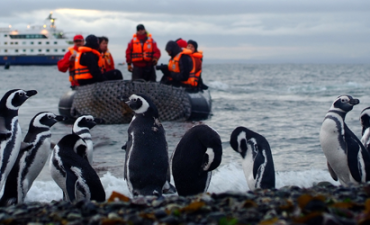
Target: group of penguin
(148, 167)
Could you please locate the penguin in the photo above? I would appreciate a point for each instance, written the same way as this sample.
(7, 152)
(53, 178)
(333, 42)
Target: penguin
(365, 122)
(258, 164)
(10, 131)
(73, 174)
(82, 127)
(146, 163)
(197, 154)
(33, 154)
(347, 159)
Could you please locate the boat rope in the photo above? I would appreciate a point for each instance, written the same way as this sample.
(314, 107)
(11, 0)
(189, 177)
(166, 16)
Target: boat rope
(104, 100)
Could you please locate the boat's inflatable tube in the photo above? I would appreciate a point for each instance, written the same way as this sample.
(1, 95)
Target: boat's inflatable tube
(104, 100)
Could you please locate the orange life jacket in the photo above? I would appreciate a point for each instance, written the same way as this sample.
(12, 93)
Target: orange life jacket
(82, 72)
(173, 66)
(71, 68)
(106, 56)
(142, 52)
(198, 54)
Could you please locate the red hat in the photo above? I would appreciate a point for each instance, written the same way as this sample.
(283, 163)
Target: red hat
(182, 43)
(78, 37)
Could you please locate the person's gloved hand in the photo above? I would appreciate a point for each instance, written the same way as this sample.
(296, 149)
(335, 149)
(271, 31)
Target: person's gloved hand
(155, 61)
(129, 67)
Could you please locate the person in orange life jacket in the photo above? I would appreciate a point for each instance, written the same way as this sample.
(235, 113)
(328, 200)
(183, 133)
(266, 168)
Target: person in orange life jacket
(143, 53)
(182, 43)
(105, 54)
(89, 64)
(179, 73)
(198, 59)
(68, 61)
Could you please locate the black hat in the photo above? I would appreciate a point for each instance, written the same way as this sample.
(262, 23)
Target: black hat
(140, 27)
(92, 41)
(195, 44)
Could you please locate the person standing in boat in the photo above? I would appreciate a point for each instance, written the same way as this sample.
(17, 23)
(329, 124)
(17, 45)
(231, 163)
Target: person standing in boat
(105, 54)
(181, 67)
(68, 61)
(143, 53)
(89, 64)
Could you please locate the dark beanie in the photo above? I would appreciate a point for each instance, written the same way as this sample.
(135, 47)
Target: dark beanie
(140, 27)
(92, 41)
(173, 48)
(195, 44)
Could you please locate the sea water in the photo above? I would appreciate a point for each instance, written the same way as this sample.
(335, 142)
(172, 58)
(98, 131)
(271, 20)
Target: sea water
(285, 103)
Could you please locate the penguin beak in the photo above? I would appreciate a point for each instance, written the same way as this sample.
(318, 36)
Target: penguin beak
(99, 121)
(31, 93)
(354, 101)
(60, 118)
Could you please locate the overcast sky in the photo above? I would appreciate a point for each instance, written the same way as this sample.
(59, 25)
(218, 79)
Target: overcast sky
(251, 31)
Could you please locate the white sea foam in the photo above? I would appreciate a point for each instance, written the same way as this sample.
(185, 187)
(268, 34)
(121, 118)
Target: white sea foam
(218, 85)
(227, 178)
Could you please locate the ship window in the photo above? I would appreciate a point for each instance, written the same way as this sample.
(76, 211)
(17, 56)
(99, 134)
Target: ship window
(39, 42)
(11, 43)
(63, 50)
(16, 43)
(31, 50)
(40, 50)
(31, 42)
(5, 43)
(5, 35)
(24, 50)
(24, 43)
(55, 42)
(6, 50)
(47, 42)
(16, 50)
(55, 50)
(47, 50)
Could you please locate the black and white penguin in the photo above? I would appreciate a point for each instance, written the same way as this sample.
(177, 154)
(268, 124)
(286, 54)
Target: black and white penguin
(196, 155)
(33, 154)
(10, 131)
(82, 127)
(347, 159)
(146, 162)
(258, 164)
(365, 122)
(73, 174)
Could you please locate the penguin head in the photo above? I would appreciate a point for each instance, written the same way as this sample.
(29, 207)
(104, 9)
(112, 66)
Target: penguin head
(13, 99)
(210, 140)
(365, 119)
(344, 103)
(240, 139)
(72, 142)
(142, 104)
(45, 120)
(86, 121)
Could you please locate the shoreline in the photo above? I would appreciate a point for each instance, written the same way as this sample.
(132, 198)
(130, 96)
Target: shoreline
(318, 204)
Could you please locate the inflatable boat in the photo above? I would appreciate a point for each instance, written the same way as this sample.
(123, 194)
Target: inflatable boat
(105, 100)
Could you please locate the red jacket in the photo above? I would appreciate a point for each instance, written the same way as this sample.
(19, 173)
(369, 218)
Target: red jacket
(64, 65)
(156, 53)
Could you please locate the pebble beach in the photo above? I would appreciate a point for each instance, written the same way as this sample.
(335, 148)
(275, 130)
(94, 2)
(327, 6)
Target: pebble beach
(323, 203)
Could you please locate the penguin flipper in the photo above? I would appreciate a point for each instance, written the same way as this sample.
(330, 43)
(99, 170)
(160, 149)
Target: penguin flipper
(259, 159)
(332, 173)
(353, 151)
(71, 180)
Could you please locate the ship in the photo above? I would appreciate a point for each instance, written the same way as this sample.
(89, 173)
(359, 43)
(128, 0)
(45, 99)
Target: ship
(36, 45)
